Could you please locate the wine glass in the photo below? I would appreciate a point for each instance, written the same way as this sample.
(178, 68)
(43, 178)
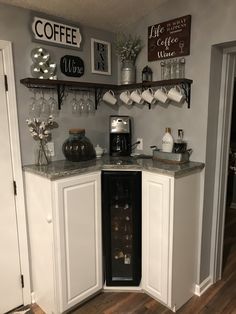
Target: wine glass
(45, 108)
(90, 104)
(82, 105)
(34, 107)
(181, 46)
(54, 111)
(74, 105)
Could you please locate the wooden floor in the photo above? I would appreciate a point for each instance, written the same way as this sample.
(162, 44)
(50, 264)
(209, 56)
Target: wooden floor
(219, 298)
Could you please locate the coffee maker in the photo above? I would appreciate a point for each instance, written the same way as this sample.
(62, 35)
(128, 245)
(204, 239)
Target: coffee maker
(120, 136)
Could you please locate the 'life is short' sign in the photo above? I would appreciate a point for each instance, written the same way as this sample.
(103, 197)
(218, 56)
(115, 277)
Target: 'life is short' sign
(56, 33)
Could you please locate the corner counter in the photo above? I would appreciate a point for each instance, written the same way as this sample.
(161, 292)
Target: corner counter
(64, 212)
(63, 168)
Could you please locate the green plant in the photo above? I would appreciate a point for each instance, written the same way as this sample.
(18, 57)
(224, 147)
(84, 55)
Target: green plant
(128, 47)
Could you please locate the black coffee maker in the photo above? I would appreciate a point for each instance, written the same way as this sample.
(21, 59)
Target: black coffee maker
(120, 136)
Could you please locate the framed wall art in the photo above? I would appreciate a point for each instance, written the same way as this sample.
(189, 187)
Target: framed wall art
(169, 39)
(100, 57)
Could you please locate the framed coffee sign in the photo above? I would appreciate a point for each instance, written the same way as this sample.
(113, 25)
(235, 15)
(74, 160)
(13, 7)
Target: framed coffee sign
(72, 66)
(56, 33)
(169, 39)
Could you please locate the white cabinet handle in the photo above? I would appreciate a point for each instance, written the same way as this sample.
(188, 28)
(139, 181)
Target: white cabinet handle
(49, 219)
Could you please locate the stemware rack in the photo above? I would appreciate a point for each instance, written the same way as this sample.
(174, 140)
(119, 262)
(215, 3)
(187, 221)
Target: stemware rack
(98, 88)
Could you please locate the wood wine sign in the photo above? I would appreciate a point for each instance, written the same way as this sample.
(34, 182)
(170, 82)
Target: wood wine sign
(169, 39)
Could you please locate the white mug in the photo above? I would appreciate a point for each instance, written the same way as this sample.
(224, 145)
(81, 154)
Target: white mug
(109, 97)
(161, 95)
(125, 97)
(136, 96)
(175, 94)
(148, 96)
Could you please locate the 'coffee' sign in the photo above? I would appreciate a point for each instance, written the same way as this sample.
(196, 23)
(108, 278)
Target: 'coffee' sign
(170, 39)
(72, 66)
(56, 33)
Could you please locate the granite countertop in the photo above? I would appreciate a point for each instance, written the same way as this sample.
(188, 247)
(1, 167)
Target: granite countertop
(64, 168)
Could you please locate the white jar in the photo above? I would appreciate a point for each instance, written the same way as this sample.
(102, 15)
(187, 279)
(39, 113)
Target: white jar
(167, 141)
(99, 151)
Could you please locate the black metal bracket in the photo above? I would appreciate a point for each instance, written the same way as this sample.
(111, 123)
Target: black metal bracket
(97, 96)
(60, 95)
(187, 92)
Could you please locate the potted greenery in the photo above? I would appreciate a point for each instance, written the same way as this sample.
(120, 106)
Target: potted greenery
(128, 48)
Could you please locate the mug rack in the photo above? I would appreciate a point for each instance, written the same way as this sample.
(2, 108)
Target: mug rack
(61, 85)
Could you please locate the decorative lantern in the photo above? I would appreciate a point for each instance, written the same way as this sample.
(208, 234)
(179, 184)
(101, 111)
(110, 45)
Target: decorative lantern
(147, 74)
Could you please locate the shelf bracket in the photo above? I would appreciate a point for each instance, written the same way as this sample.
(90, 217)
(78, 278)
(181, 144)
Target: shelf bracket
(60, 95)
(187, 92)
(97, 96)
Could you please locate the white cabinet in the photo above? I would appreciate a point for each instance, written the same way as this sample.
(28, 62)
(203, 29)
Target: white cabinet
(170, 236)
(64, 218)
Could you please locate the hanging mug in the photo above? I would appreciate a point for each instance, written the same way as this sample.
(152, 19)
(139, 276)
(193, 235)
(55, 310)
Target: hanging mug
(109, 97)
(161, 95)
(125, 97)
(148, 96)
(176, 94)
(136, 96)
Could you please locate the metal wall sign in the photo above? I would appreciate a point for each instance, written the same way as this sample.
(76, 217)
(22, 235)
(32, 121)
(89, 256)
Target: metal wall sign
(169, 39)
(72, 66)
(56, 33)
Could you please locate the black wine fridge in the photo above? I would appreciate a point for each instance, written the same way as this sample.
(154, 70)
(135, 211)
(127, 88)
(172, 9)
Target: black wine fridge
(121, 212)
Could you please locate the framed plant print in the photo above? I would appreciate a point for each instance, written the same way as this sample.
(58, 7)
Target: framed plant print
(100, 57)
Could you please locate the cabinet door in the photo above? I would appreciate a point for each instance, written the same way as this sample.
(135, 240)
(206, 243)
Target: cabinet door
(155, 233)
(78, 215)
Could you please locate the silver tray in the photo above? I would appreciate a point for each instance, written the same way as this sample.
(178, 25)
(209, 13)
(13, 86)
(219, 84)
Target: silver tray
(179, 158)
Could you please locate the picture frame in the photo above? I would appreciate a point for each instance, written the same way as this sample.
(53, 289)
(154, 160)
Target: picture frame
(100, 57)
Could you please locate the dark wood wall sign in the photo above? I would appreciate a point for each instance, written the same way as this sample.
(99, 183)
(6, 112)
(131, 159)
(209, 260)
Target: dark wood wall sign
(72, 66)
(169, 39)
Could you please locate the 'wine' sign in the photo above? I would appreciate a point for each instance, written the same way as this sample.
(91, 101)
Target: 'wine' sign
(72, 66)
(169, 39)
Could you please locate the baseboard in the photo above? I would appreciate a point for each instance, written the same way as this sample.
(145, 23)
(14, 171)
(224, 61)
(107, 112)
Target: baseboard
(33, 297)
(122, 289)
(200, 289)
(233, 205)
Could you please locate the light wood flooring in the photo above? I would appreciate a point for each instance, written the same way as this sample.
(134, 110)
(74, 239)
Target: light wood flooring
(219, 298)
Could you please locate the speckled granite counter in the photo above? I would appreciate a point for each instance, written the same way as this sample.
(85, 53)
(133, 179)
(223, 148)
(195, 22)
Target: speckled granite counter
(64, 168)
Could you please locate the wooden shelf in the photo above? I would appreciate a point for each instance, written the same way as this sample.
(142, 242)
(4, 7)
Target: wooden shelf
(61, 85)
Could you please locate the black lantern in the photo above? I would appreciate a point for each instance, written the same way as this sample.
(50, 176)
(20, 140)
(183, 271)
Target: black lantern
(146, 74)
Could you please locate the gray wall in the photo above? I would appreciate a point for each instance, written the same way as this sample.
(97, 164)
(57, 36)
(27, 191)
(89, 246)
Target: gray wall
(15, 27)
(213, 22)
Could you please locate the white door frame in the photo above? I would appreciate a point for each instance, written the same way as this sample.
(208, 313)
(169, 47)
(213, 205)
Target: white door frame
(6, 48)
(222, 153)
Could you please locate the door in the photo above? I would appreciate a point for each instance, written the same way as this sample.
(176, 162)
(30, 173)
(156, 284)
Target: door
(121, 207)
(155, 234)
(80, 242)
(10, 272)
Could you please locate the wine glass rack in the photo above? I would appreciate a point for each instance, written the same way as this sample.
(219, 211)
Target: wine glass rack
(61, 85)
